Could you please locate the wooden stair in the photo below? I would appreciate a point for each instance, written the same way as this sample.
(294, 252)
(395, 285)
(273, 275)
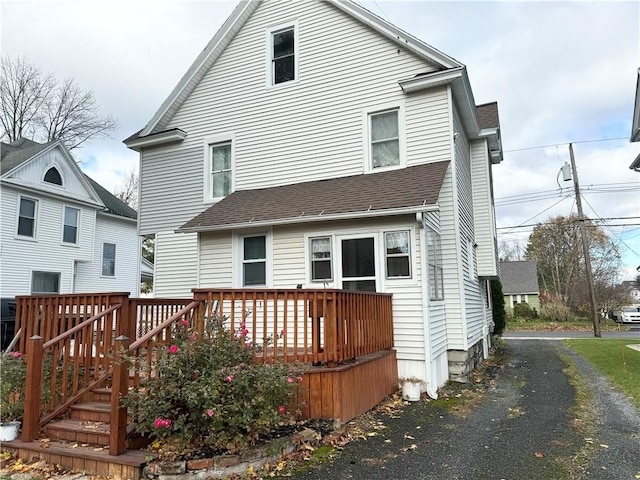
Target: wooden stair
(81, 441)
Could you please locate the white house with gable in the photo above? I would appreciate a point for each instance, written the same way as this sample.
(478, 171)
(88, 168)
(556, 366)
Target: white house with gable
(315, 144)
(61, 231)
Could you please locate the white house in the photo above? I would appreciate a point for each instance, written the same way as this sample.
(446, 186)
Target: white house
(61, 231)
(315, 144)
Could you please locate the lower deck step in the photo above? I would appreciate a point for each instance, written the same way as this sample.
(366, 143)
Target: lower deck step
(78, 431)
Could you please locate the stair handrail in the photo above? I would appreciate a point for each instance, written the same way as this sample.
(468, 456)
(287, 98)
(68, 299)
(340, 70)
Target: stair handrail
(80, 326)
(152, 333)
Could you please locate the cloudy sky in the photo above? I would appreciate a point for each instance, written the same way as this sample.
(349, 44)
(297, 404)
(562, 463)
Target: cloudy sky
(561, 72)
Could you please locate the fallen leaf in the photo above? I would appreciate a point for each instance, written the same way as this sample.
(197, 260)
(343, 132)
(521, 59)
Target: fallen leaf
(539, 454)
(408, 437)
(372, 434)
(387, 441)
(604, 446)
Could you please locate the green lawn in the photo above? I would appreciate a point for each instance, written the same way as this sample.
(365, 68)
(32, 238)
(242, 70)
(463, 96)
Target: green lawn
(619, 363)
(582, 325)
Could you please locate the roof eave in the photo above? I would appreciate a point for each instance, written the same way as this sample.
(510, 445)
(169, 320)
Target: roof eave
(310, 218)
(636, 164)
(635, 124)
(495, 144)
(161, 138)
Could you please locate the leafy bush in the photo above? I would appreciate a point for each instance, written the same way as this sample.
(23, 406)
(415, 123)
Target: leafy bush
(556, 312)
(499, 314)
(523, 310)
(13, 372)
(211, 392)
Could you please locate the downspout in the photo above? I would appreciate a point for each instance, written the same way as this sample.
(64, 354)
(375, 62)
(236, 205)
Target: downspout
(432, 390)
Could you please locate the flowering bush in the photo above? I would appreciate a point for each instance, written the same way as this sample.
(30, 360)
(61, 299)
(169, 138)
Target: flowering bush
(211, 392)
(13, 371)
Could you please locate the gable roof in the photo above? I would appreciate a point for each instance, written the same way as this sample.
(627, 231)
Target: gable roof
(488, 115)
(635, 122)
(519, 277)
(406, 190)
(14, 154)
(236, 21)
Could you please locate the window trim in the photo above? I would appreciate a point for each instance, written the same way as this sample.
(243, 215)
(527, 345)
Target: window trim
(35, 219)
(437, 265)
(209, 143)
(270, 32)
(59, 170)
(238, 274)
(367, 114)
(33, 272)
(378, 277)
(115, 255)
(78, 219)
(331, 259)
(386, 255)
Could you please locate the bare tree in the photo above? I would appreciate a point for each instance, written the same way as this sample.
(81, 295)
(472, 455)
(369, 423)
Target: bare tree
(127, 190)
(34, 104)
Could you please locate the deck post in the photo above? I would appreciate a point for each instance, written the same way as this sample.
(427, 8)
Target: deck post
(33, 389)
(119, 387)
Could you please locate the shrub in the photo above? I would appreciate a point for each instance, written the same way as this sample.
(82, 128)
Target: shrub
(13, 372)
(211, 392)
(556, 312)
(523, 310)
(499, 314)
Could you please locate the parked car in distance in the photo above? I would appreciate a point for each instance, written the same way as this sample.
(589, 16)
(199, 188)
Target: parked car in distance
(628, 314)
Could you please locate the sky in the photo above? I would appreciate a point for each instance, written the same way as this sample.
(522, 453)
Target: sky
(560, 71)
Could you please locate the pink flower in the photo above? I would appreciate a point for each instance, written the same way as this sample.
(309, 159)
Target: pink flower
(281, 409)
(158, 423)
(291, 380)
(210, 412)
(184, 321)
(166, 423)
(16, 354)
(173, 349)
(229, 378)
(193, 336)
(299, 379)
(283, 331)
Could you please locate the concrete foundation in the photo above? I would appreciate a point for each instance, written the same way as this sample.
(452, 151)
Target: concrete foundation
(463, 363)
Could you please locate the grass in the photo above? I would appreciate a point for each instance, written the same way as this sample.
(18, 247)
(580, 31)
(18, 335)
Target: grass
(611, 357)
(577, 325)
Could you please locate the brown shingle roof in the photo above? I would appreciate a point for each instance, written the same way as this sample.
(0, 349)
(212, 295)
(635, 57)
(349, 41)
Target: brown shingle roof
(488, 115)
(313, 201)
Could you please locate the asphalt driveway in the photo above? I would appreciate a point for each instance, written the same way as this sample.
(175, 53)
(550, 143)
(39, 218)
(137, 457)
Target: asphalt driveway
(523, 427)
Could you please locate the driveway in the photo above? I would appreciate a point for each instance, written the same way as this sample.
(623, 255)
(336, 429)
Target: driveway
(524, 427)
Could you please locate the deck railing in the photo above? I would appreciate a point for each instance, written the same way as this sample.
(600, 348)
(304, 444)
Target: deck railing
(76, 342)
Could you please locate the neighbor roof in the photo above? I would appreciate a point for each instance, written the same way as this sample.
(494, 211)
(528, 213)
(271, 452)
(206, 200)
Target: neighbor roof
(397, 191)
(488, 115)
(113, 204)
(519, 277)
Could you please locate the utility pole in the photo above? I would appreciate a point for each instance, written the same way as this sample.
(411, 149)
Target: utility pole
(585, 246)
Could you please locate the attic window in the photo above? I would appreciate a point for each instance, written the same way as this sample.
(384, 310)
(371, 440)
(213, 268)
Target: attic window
(53, 176)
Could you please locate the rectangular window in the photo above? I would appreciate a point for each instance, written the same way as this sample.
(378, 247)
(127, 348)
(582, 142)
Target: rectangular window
(397, 254)
(109, 259)
(385, 139)
(45, 282)
(434, 258)
(359, 264)
(70, 229)
(27, 217)
(221, 170)
(321, 267)
(283, 59)
(254, 261)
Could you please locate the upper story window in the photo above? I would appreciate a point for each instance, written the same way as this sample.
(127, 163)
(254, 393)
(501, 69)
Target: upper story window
(397, 254)
(27, 217)
(218, 167)
(71, 223)
(108, 259)
(283, 57)
(385, 139)
(434, 259)
(321, 263)
(53, 176)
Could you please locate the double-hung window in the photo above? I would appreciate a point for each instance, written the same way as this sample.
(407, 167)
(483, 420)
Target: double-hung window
(434, 259)
(221, 170)
(254, 260)
(384, 131)
(45, 282)
(321, 264)
(397, 253)
(283, 55)
(71, 222)
(27, 217)
(108, 259)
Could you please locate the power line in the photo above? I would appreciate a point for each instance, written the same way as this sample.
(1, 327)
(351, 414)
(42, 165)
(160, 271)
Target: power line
(611, 230)
(565, 143)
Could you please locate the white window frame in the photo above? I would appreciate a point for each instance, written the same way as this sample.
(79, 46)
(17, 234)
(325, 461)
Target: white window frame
(238, 277)
(270, 76)
(79, 221)
(115, 255)
(33, 272)
(46, 170)
(437, 265)
(209, 143)
(35, 218)
(331, 259)
(367, 114)
(379, 276)
(386, 255)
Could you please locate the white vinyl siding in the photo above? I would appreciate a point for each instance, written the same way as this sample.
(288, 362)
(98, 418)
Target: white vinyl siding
(216, 260)
(483, 210)
(304, 133)
(176, 262)
(437, 314)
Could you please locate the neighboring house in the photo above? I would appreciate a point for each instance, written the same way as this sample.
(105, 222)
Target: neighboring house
(61, 231)
(315, 144)
(520, 283)
(632, 288)
(635, 124)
